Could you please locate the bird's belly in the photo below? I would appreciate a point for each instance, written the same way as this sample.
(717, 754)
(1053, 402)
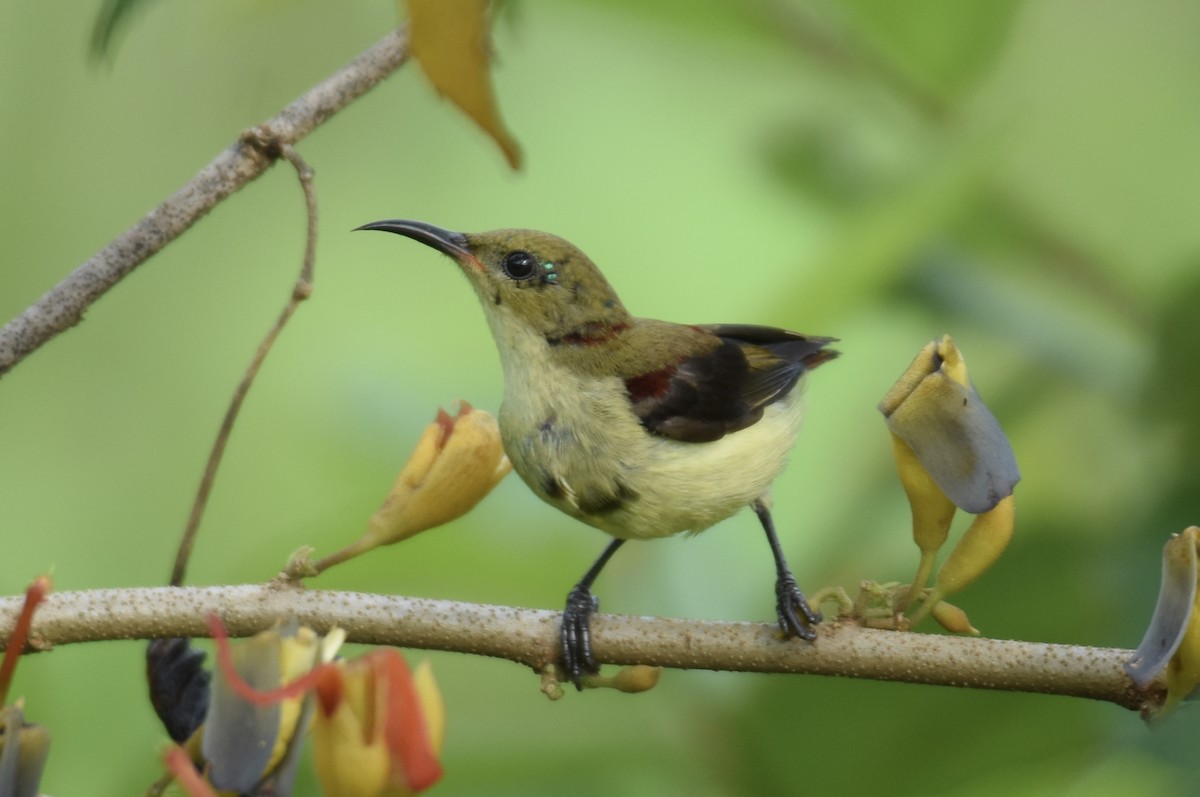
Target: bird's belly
(608, 471)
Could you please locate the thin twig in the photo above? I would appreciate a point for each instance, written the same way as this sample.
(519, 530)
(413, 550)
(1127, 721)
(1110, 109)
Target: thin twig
(64, 305)
(530, 637)
(301, 290)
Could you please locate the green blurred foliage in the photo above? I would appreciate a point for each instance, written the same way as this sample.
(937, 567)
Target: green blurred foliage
(1023, 176)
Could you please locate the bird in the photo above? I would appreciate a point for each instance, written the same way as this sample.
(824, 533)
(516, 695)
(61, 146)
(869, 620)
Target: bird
(638, 427)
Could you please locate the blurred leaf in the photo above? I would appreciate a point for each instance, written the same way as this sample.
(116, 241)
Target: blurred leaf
(840, 157)
(1052, 321)
(944, 44)
(877, 245)
(113, 15)
(1174, 380)
(451, 40)
(1169, 398)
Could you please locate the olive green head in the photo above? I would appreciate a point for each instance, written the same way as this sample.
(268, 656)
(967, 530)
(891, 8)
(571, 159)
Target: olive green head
(533, 277)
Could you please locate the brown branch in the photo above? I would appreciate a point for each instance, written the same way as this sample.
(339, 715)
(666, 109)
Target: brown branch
(64, 305)
(530, 637)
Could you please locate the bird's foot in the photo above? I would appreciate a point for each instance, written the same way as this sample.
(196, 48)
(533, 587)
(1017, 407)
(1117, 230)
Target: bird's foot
(796, 617)
(576, 635)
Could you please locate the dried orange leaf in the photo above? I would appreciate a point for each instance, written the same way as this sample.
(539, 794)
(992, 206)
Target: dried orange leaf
(451, 40)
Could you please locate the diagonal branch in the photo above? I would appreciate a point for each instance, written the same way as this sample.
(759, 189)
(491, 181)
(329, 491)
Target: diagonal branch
(64, 305)
(530, 637)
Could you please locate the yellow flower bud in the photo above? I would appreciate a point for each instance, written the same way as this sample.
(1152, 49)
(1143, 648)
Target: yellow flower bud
(350, 759)
(378, 729)
(950, 452)
(457, 462)
(932, 514)
(978, 549)
(953, 619)
(932, 511)
(951, 432)
(1171, 646)
(637, 678)
(632, 679)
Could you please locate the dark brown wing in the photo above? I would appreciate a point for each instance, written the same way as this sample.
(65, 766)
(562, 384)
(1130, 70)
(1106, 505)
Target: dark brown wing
(706, 396)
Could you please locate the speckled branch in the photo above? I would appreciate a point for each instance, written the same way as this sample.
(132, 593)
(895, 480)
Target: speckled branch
(64, 305)
(530, 637)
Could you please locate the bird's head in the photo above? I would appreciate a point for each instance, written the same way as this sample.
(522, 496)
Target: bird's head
(532, 279)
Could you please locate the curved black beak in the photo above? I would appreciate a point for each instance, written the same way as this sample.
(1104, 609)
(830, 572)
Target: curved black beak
(447, 242)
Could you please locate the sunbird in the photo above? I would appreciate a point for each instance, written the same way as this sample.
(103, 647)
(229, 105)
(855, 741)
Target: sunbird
(638, 427)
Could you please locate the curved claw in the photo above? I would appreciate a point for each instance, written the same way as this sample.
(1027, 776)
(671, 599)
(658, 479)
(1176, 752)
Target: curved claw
(796, 617)
(576, 635)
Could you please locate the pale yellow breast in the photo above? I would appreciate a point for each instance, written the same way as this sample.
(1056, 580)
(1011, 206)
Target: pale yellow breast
(582, 437)
(574, 440)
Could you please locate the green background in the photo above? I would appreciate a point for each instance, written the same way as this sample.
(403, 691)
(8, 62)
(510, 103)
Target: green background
(1023, 176)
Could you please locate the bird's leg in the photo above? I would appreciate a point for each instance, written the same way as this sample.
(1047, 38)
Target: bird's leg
(576, 633)
(796, 617)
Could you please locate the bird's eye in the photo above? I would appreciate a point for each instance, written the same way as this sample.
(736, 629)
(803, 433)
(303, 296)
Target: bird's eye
(520, 265)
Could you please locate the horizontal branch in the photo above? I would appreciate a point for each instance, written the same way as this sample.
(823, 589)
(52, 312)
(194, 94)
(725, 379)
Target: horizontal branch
(64, 305)
(530, 637)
